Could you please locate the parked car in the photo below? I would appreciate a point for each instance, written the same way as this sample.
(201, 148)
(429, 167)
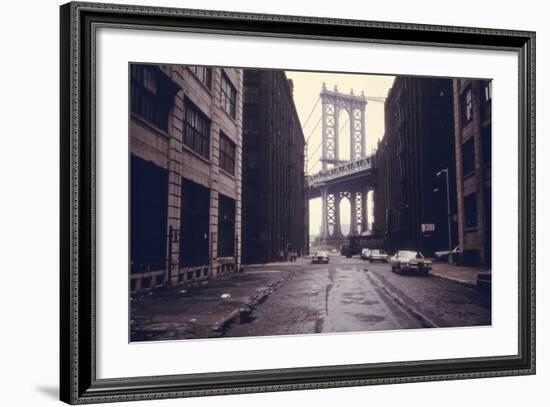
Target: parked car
(444, 254)
(320, 257)
(365, 254)
(378, 255)
(410, 260)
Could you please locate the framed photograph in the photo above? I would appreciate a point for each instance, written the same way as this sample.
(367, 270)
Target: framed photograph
(254, 203)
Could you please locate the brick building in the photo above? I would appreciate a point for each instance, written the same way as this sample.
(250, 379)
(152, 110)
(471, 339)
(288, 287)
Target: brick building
(185, 173)
(275, 201)
(410, 199)
(472, 101)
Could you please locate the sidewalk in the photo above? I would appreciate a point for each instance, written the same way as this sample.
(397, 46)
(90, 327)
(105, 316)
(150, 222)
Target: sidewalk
(206, 310)
(460, 274)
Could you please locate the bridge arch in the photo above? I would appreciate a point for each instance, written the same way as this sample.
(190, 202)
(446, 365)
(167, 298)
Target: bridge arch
(345, 218)
(344, 136)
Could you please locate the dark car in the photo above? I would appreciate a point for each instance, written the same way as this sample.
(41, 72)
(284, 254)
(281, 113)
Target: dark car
(483, 281)
(346, 250)
(320, 257)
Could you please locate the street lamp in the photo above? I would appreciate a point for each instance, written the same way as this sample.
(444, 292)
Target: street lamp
(439, 174)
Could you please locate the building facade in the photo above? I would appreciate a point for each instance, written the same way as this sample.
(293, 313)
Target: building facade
(275, 200)
(185, 173)
(410, 198)
(472, 101)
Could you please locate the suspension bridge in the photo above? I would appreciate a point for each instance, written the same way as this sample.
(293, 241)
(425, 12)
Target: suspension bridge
(339, 178)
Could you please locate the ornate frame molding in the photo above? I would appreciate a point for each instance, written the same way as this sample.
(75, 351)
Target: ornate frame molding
(79, 21)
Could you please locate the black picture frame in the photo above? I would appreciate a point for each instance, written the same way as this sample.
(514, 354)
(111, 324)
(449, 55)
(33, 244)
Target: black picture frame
(78, 382)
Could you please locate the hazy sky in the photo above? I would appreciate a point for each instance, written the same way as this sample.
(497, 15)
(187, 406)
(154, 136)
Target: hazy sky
(307, 86)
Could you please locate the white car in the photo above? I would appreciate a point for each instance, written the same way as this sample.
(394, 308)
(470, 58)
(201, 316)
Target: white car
(320, 257)
(444, 254)
(410, 260)
(365, 254)
(378, 255)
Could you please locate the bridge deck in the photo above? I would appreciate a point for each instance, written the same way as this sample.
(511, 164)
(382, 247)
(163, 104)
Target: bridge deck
(352, 171)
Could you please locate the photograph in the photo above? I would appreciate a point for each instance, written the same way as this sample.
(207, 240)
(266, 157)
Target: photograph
(255, 202)
(268, 202)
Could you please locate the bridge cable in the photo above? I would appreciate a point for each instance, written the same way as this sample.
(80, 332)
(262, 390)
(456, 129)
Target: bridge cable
(343, 126)
(310, 113)
(313, 130)
(312, 154)
(319, 145)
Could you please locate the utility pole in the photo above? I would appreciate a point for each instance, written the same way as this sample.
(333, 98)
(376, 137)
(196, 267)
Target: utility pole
(446, 171)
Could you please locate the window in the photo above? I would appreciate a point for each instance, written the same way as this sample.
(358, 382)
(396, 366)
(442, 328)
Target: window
(251, 94)
(196, 130)
(194, 230)
(203, 73)
(486, 143)
(470, 211)
(228, 96)
(227, 154)
(487, 94)
(467, 106)
(397, 115)
(251, 122)
(251, 159)
(468, 157)
(148, 215)
(148, 99)
(226, 226)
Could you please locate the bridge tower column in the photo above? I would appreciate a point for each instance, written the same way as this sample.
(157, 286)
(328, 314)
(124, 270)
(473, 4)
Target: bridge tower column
(324, 106)
(333, 215)
(364, 211)
(353, 217)
(337, 231)
(356, 109)
(324, 213)
(329, 128)
(335, 132)
(363, 133)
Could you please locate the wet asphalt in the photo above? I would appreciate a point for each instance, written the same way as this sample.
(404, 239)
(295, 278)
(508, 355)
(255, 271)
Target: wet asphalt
(349, 295)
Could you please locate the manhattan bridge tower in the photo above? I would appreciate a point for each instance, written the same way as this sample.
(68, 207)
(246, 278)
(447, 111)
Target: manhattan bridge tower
(333, 192)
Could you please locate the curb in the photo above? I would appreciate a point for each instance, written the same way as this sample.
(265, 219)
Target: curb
(456, 280)
(275, 264)
(394, 297)
(244, 310)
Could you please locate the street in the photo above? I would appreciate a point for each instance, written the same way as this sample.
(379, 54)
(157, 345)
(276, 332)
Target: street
(299, 298)
(355, 295)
